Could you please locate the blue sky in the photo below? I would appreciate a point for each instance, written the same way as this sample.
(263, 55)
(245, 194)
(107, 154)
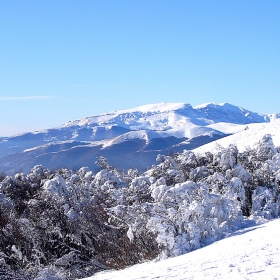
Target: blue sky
(63, 60)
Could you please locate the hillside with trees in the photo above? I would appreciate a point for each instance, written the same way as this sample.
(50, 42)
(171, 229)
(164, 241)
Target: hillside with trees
(67, 224)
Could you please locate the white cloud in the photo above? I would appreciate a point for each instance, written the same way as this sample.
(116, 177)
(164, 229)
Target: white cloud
(12, 98)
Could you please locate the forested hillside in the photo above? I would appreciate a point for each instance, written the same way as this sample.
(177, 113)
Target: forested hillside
(66, 224)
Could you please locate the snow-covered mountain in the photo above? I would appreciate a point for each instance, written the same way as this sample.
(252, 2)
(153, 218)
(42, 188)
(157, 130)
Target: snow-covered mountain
(250, 253)
(128, 138)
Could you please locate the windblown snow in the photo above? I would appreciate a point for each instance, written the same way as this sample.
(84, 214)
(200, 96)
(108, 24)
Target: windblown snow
(249, 253)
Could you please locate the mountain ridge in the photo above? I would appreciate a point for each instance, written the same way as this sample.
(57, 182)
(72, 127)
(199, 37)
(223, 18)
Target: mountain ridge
(200, 111)
(140, 133)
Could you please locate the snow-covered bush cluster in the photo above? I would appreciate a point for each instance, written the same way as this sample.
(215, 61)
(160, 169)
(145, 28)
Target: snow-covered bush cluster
(67, 224)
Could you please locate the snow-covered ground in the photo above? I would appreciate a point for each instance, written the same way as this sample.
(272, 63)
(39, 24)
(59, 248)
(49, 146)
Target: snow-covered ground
(246, 138)
(250, 253)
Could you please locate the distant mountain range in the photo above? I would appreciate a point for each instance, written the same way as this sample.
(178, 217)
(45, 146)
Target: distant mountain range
(128, 138)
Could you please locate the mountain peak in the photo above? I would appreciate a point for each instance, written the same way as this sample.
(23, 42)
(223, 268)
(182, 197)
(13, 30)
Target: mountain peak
(224, 105)
(156, 107)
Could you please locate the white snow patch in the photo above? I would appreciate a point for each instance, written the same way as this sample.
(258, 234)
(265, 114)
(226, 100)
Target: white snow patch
(228, 128)
(246, 138)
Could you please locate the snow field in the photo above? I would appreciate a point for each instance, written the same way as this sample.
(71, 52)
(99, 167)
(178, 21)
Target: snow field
(246, 138)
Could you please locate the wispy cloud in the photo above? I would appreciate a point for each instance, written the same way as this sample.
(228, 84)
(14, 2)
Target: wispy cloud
(12, 98)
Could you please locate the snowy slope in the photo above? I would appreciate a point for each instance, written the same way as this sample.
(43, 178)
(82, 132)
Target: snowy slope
(246, 138)
(137, 134)
(250, 253)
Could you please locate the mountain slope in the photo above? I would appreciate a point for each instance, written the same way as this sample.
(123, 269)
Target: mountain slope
(250, 253)
(128, 138)
(246, 138)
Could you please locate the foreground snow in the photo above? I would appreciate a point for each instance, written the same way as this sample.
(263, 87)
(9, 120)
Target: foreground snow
(250, 253)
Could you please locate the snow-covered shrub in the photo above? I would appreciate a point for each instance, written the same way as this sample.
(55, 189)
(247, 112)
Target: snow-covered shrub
(276, 159)
(6, 210)
(264, 204)
(265, 148)
(187, 215)
(168, 169)
(56, 187)
(228, 157)
(199, 173)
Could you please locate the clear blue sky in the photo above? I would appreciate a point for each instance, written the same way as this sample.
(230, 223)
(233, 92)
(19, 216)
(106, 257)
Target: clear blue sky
(62, 60)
